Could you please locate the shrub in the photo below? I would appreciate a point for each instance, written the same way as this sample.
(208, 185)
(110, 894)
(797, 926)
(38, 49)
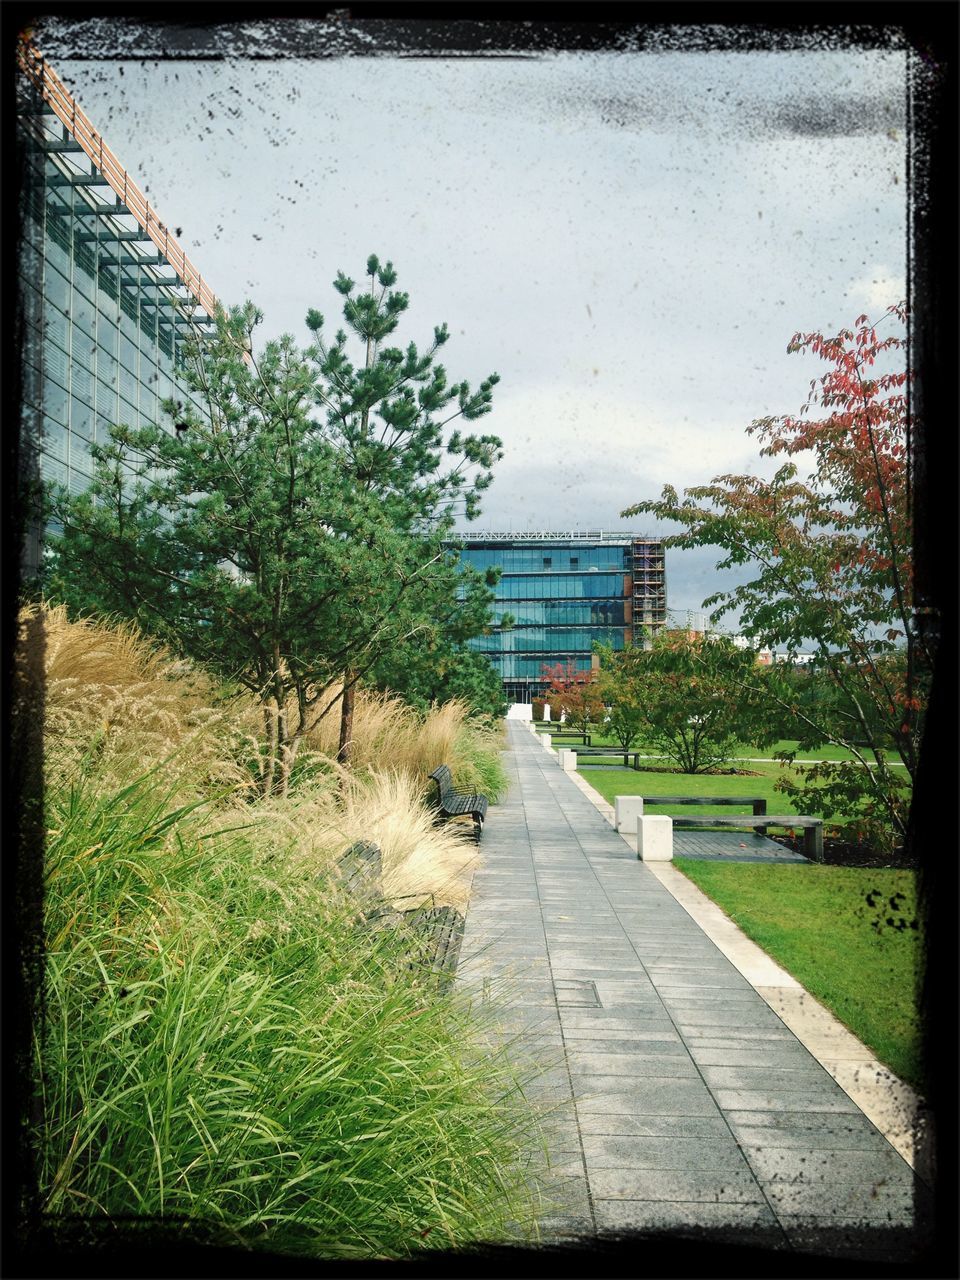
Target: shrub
(868, 793)
(421, 861)
(389, 734)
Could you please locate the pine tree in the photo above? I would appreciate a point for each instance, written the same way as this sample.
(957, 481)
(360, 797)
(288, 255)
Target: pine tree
(287, 549)
(386, 416)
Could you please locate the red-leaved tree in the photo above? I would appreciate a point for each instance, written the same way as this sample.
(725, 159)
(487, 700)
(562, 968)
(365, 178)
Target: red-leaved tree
(573, 692)
(834, 569)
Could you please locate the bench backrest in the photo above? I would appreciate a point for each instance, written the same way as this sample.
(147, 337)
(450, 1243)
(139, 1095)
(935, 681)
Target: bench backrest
(442, 777)
(701, 799)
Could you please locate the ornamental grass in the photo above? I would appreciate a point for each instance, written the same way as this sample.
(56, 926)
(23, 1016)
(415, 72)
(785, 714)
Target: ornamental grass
(229, 1045)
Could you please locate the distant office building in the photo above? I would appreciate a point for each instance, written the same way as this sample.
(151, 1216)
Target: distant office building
(107, 295)
(563, 591)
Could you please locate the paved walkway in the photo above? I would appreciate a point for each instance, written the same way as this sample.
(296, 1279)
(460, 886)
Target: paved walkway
(683, 1102)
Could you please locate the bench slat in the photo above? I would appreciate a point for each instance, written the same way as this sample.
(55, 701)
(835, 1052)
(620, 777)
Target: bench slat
(704, 800)
(748, 820)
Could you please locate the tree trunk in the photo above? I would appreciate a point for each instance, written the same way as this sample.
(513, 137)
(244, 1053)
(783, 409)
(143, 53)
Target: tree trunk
(346, 717)
(287, 759)
(270, 734)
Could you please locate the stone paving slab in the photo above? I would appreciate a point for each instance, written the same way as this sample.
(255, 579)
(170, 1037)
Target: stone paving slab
(679, 1098)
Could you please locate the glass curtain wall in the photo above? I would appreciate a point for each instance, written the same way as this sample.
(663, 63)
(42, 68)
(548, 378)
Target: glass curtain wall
(100, 339)
(557, 601)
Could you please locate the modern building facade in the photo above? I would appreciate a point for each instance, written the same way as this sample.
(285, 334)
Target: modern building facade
(107, 294)
(559, 593)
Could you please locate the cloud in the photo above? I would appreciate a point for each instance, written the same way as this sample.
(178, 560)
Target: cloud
(621, 440)
(878, 289)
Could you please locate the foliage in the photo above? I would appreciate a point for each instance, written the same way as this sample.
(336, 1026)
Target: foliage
(479, 764)
(684, 695)
(624, 716)
(284, 551)
(230, 1046)
(423, 676)
(836, 786)
(386, 417)
(110, 694)
(849, 935)
(572, 693)
(833, 557)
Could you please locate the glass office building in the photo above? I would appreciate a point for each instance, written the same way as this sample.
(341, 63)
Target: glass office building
(559, 593)
(106, 294)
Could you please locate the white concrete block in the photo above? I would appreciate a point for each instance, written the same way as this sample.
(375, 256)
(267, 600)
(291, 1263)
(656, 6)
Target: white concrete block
(627, 809)
(546, 711)
(567, 759)
(655, 839)
(520, 711)
(546, 739)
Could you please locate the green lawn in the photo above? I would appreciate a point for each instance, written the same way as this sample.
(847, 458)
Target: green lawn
(844, 933)
(745, 751)
(628, 782)
(613, 781)
(826, 752)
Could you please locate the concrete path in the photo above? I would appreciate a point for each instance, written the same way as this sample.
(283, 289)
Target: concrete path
(681, 1100)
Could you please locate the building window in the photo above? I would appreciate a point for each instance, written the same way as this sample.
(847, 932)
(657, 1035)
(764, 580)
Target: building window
(547, 561)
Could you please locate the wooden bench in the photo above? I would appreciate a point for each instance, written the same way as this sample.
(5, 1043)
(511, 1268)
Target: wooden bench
(434, 934)
(812, 827)
(570, 735)
(759, 803)
(457, 804)
(617, 752)
(439, 933)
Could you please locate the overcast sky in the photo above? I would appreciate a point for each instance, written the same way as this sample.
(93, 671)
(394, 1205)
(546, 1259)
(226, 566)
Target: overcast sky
(629, 239)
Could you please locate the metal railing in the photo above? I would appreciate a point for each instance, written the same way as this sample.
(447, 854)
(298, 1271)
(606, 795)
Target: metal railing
(74, 118)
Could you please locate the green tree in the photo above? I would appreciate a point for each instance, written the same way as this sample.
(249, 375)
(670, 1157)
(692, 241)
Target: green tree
(287, 551)
(386, 412)
(624, 715)
(423, 676)
(685, 696)
(833, 565)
